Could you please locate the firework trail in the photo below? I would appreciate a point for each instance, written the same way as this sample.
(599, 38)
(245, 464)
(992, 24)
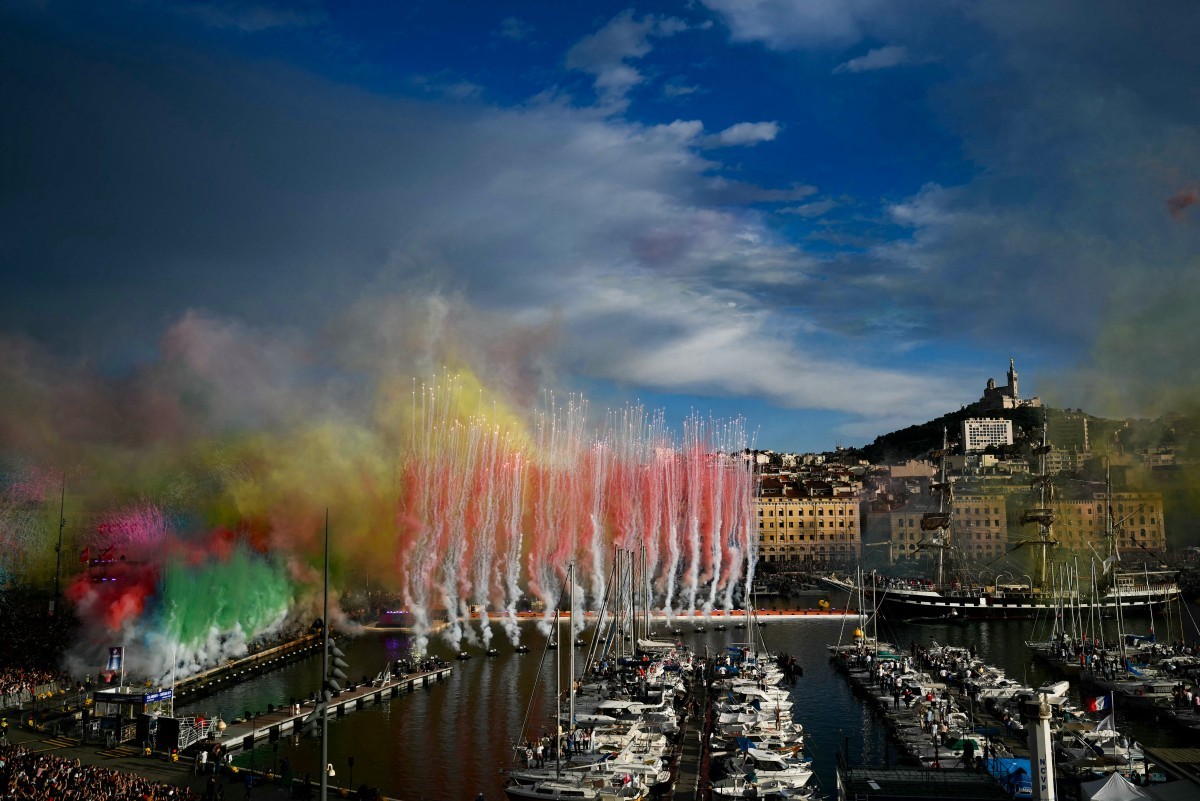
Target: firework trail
(598, 469)
(512, 491)
(485, 516)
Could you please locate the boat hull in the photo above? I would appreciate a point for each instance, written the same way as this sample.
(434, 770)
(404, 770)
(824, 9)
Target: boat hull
(951, 605)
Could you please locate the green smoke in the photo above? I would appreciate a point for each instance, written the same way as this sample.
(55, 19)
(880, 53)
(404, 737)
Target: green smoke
(245, 593)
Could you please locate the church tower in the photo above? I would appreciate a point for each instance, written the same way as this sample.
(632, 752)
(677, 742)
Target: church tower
(1012, 380)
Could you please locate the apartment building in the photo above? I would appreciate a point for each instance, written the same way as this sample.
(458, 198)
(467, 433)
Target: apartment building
(799, 529)
(978, 527)
(979, 433)
(1081, 525)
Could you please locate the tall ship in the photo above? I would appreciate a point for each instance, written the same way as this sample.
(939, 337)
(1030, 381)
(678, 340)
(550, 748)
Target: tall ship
(1101, 584)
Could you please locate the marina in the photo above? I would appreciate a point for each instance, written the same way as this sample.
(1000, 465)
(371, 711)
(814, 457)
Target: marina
(396, 737)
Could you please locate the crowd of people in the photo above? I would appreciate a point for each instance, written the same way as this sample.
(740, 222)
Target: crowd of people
(30, 776)
(15, 681)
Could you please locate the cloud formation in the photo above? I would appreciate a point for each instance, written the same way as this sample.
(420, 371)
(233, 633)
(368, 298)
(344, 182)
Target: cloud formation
(1076, 134)
(617, 235)
(878, 59)
(883, 231)
(607, 54)
(743, 134)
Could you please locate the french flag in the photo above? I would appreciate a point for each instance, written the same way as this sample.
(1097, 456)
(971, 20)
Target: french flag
(1097, 704)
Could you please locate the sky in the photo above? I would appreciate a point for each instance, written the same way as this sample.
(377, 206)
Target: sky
(831, 218)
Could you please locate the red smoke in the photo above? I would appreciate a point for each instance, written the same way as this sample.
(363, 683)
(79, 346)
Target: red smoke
(1178, 203)
(114, 593)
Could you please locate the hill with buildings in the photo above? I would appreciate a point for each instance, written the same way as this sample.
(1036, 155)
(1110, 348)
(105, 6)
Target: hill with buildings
(865, 505)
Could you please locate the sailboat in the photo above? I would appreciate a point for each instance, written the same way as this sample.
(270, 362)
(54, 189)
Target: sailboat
(960, 599)
(586, 783)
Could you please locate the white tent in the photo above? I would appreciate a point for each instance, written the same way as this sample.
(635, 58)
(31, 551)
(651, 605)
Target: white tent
(1115, 788)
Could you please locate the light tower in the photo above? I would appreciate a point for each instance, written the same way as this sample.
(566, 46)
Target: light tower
(1038, 714)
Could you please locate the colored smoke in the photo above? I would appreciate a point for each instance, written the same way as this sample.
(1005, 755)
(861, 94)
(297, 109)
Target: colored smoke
(197, 489)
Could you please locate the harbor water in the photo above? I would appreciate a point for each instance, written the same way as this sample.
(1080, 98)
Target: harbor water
(451, 739)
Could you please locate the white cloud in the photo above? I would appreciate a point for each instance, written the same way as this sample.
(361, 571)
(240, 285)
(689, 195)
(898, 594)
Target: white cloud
(681, 131)
(675, 89)
(606, 53)
(785, 24)
(817, 208)
(743, 134)
(877, 59)
(617, 235)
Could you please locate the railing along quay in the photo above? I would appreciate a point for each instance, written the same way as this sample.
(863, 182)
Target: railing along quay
(239, 670)
(241, 734)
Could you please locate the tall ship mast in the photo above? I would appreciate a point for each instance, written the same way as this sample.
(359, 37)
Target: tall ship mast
(938, 523)
(963, 599)
(1043, 514)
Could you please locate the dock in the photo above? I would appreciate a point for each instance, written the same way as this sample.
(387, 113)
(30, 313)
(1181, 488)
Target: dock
(276, 722)
(689, 778)
(238, 670)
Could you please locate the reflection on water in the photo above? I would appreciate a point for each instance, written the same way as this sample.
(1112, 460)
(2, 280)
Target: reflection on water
(450, 740)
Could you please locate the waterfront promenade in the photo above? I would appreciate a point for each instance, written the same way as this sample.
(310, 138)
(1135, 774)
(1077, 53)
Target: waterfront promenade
(183, 771)
(180, 768)
(279, 721)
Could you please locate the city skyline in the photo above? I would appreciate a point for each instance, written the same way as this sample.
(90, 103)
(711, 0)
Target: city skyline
(831, 219)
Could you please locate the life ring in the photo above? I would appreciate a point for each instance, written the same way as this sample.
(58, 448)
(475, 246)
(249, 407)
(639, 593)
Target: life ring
(1141, 692)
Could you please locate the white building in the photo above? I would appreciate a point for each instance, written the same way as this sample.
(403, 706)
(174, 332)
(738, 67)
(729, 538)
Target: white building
(980, 432)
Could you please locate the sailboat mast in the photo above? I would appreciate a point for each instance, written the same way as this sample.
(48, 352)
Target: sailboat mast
(571, 672)
(1046, 531)
(646, 595)
(1114, 555)
(943, 534)
(325, 671)
(558, 693)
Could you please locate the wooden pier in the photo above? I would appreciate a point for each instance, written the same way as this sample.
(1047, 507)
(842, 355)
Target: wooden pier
(270, 726)
(238, 670)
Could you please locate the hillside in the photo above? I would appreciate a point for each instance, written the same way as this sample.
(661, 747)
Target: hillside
(919, 440)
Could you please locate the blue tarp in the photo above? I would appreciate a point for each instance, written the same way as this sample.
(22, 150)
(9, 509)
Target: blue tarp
(1013, 775)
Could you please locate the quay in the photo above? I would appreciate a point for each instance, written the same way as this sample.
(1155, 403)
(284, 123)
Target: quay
(246, 667)
(241, 734)
(690, 769)
(858, 665)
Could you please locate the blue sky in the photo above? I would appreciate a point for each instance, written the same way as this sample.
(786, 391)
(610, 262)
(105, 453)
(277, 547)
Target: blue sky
(832, 217)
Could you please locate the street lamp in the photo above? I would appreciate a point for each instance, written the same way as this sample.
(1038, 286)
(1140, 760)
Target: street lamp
(253, 718)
